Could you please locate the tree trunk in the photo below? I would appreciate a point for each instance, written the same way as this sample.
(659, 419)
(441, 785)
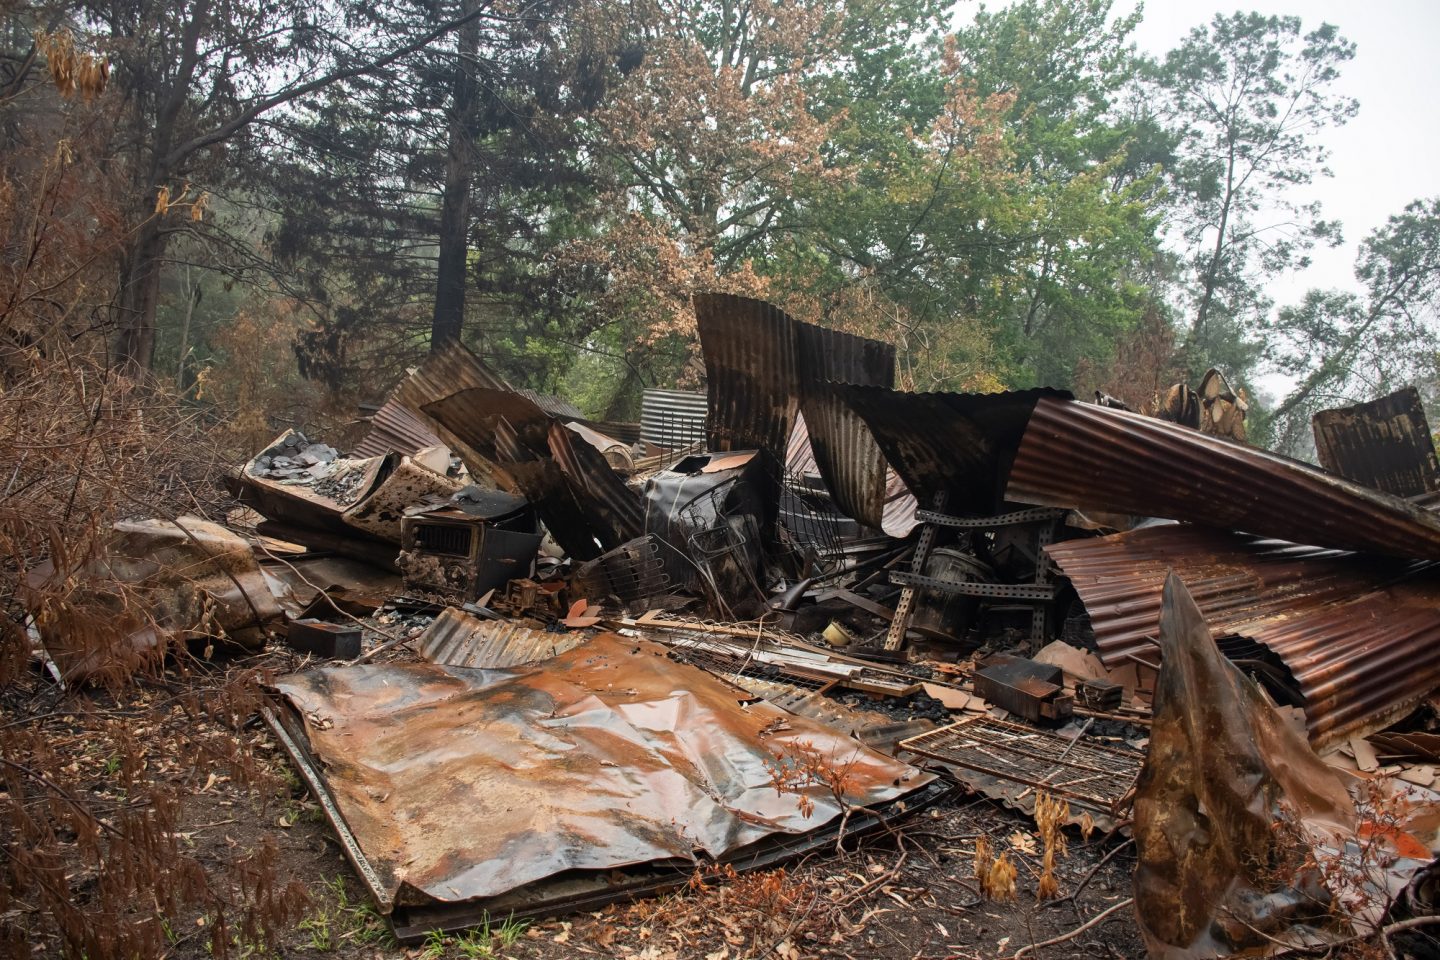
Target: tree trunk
(449, 317)
(138, 298)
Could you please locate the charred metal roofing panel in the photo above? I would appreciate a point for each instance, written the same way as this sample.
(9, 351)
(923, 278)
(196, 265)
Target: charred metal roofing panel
(1358, 636)
(764, 367)
(752, 373)
(960, 443)
(473, 414)
(615, 511)
(393, 428)
(1083, 456)
(1385, 444)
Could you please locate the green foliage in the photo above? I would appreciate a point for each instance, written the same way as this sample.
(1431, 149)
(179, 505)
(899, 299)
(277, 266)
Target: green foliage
(1343, 348)
(1247, 96)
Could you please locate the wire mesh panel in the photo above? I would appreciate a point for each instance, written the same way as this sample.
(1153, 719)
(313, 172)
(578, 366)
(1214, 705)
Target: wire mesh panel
(1088, 774)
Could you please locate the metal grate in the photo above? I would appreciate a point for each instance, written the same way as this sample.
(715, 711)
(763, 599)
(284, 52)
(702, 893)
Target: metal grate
(448, 539)
(1090, 775)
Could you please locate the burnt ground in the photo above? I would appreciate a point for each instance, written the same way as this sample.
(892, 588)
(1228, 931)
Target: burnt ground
(243, 814)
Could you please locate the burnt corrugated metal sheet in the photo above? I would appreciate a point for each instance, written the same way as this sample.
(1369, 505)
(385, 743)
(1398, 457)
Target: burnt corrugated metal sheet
(551, 404)
(1385, 444)
(394, 429)
(472, 415)
(752, 372)
(1358, 638)
(615, 512)
(457, 639)
(764, 367)
(958, 443)
(444, 372)
(1083, 456)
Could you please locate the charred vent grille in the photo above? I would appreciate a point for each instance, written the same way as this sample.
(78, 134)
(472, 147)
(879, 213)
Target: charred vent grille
(453, 541)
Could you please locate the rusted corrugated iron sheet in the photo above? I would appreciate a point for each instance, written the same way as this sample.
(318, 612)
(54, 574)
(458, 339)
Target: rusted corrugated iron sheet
(1083, 456)
(1357, 637)
(957, 443)
(457, 639)
(473, 414)
(764, 367)
(455, 786)
(394, 429)
(1385, 444)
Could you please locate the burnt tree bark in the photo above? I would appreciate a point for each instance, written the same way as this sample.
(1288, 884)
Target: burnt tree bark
(449, 316)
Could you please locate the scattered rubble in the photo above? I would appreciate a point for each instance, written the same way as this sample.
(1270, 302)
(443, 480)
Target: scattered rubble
(541, 668)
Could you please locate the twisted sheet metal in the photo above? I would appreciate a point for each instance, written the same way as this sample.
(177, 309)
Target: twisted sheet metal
(1358, 638)
(458, 785)
(473, 414)
(764, 367)
(444, 372)
(457, 639)
(958, 443)
(616, 512)
(395, 429)
(1083, 456)
(1385, 444)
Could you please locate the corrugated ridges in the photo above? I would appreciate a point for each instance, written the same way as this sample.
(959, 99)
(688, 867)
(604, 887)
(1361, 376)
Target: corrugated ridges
(472, 415)
(955, 442)
(763, 367)
(1080, 455)
(751, 369)
(394, 428)
(457, 639)
(615, 511)
(1359, 635)
(673, 418)
(1385, 444)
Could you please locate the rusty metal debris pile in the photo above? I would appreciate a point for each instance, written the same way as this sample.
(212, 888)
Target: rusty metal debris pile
(550, 662)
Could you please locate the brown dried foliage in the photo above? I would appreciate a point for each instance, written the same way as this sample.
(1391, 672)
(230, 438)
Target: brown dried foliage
(96, 779)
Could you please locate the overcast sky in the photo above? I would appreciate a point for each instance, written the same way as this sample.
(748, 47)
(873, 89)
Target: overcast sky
(1385, 157)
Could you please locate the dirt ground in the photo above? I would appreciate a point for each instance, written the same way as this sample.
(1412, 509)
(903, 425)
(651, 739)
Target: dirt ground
(909, 895)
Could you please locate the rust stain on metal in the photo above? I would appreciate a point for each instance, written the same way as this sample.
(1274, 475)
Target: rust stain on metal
(1354, 641)
(1083, 456)
(464, 784)
(1385, 444)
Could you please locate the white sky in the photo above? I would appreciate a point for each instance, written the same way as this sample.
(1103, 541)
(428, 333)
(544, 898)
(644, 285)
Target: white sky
(1389, 154)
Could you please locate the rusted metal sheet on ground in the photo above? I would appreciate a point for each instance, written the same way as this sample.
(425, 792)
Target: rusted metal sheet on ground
(957, 443)
(609, 757)
(1083, 456)
(395, 429)
(1384, 444)
(1222, 772)
(764, 367)
(1354, 641)
(457, 639)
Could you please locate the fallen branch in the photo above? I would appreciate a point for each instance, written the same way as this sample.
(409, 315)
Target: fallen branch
(1094, 921)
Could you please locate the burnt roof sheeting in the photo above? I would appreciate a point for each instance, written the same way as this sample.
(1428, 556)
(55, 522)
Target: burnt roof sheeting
(615, 512)
(959, 443)
(394, 429)
(1083, 456)
(460, 785)
(763, 367)
(474, 413)
(1385, 444)
(1358, 637)
(444, 372)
